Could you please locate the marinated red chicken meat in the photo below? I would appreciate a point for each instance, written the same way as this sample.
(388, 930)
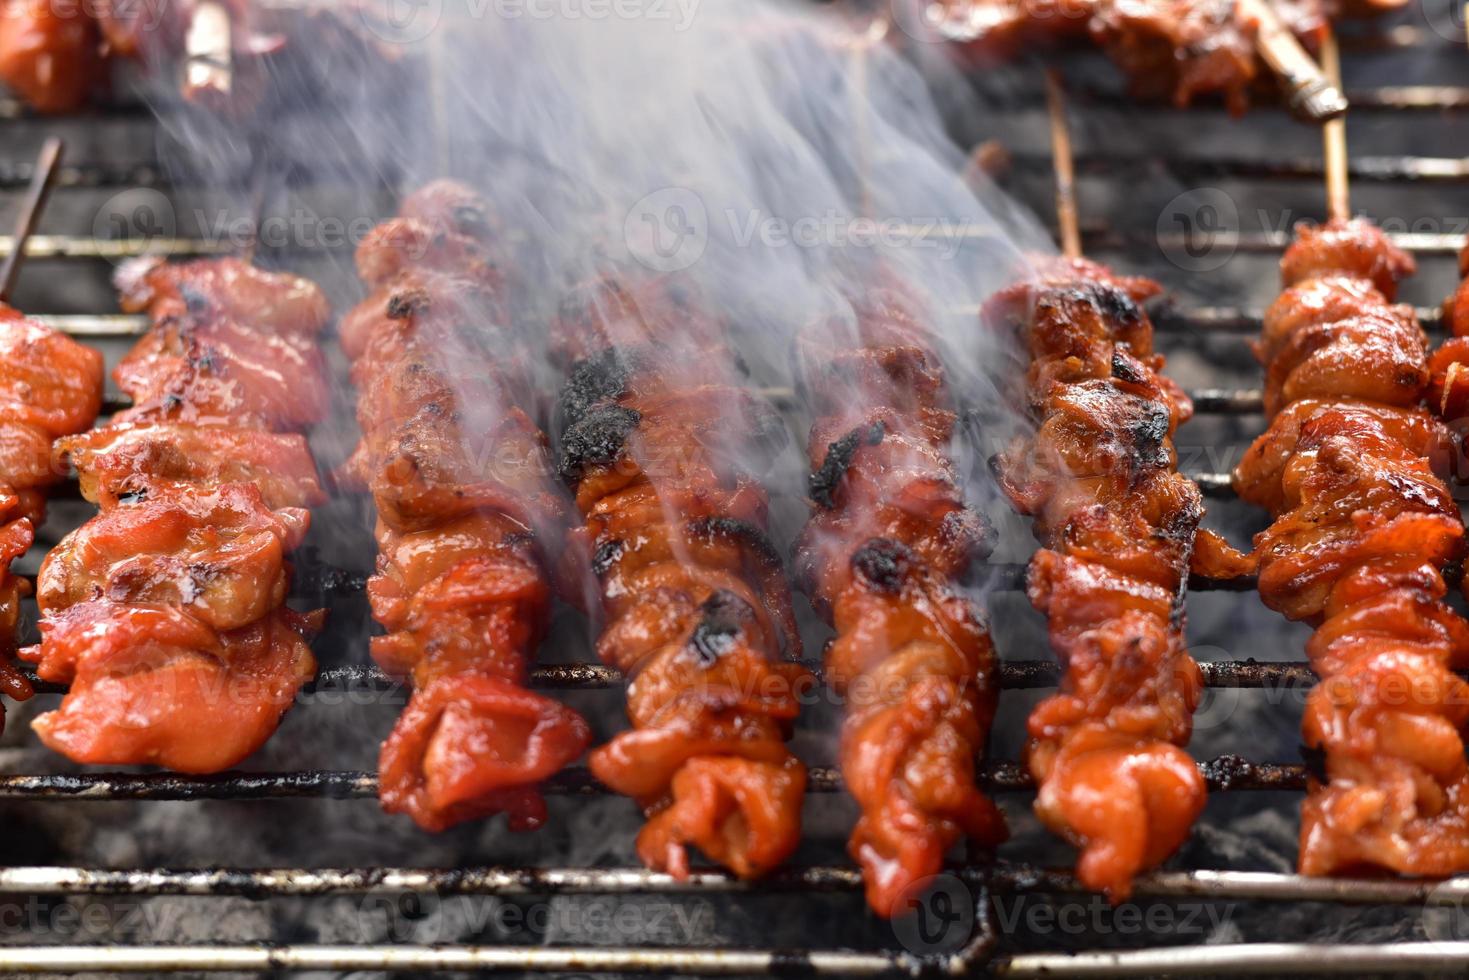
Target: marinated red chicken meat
(660, 444)
(882, 558)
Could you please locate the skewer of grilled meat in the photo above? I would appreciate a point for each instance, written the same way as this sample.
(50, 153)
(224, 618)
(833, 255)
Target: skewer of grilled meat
(1168, 48)
(881, 557)
(55, 55)
(662, 443)
(1351, 470)
(50, 386)
(1118, 524)
(165, 612)
(465, 494)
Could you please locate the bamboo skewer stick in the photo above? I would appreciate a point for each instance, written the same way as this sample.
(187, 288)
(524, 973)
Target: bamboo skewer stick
(30, 212)
(1334, 138)
(1310, 91)
(209, 48)
(1065, 166)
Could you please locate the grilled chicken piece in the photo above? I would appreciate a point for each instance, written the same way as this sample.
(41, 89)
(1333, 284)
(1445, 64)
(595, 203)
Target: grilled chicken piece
(1118, 524)
(152, 684)
(1352, 469)
(659, 443)
(882, 557)
(165, 612)
(219, 556)
(465, 497)
(49, 53)
(125, 459)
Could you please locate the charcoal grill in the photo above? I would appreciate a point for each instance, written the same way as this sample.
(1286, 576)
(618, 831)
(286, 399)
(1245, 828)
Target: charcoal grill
(1192, 331)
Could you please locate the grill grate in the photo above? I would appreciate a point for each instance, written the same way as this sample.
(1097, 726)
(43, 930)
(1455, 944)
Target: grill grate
(1224, 773)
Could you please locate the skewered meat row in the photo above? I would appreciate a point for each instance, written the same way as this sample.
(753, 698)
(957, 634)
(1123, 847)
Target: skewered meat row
(165, 612)
(663, 445)
(467, 509)
(1118, 525)
(881, 558)
(55, 55)
(50, 386)
(1178, 48)
(1352, 471)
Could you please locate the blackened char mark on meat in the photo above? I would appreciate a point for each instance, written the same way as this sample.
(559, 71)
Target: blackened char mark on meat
(598, 438)
(756, 542)
(1149, 434)
(724, 616)
(825, 480)
(606, 555)
(592, 381)
(883, 564)
(1115, 304)
(406, 304)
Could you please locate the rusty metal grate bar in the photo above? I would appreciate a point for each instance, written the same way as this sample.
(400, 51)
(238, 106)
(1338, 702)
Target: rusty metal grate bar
(1016, 675)
(1222, 773)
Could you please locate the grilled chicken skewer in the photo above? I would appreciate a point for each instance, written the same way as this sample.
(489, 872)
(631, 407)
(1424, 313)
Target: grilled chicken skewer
(1171, 48)
(465, 498)
(55, 55)
(881, 558)
(1119, 525)
(661, 443)
(165, 612)
(1352, 470)
(50, 386)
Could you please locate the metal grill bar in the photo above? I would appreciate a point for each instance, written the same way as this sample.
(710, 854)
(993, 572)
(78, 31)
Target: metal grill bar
(1019, 675)
(1095, 238)
(1236, 959)
(1002, 876)
(1383, 169)
(1222, 773)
